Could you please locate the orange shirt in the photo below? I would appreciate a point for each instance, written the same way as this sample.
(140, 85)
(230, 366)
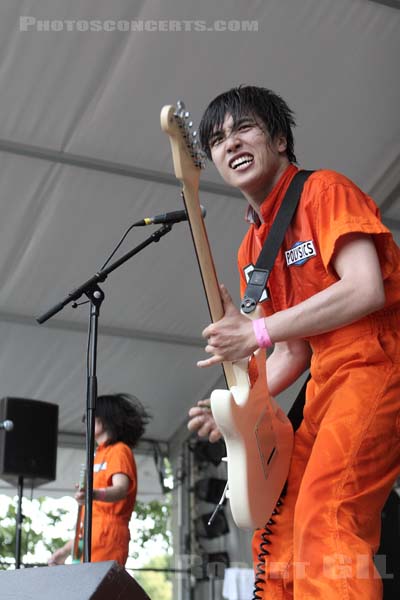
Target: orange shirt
(108, 461)
(330, 207)
(110, 520)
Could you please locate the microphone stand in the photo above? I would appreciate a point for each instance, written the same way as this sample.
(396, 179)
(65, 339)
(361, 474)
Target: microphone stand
(96, 296)
(19, 521)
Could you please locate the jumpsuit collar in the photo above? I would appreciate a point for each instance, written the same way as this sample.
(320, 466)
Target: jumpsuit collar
(271, 203)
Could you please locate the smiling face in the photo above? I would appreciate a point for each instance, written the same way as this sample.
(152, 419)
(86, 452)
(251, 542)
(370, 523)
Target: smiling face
(247, 158)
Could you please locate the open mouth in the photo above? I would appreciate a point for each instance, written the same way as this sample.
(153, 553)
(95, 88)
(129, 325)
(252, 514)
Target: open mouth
(241, 162)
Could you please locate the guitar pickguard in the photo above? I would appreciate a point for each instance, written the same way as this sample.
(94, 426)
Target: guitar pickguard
(266, 441)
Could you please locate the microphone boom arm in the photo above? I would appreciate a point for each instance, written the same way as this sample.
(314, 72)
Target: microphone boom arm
(96, 296)
(88, 286)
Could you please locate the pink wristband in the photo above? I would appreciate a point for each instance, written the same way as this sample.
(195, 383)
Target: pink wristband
(101, 494)
(261, 333)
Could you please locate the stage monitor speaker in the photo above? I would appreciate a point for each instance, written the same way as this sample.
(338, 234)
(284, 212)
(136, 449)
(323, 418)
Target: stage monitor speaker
(86, 581)
(29, 450)
(218, 526)
(210, 489)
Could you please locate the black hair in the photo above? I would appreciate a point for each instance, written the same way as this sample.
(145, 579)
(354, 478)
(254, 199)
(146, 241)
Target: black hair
(123, 417)
(259, 102)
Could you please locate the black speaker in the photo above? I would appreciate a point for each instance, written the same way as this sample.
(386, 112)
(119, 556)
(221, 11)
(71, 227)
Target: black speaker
(30, 448)
(87, 581)
(218, 526)
(205, 452)
(210, 489)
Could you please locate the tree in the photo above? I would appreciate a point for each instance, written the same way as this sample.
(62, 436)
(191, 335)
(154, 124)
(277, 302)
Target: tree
(31, 533)
(40, 537)
(154, 517)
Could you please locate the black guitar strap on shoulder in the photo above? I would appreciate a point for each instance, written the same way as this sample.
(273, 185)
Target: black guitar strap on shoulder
(259, 276)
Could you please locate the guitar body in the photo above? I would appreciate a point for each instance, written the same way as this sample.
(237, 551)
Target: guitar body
(257, 433)
(259, 441)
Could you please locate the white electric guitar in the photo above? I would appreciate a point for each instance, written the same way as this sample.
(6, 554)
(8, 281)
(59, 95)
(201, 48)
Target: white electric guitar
(257, 433)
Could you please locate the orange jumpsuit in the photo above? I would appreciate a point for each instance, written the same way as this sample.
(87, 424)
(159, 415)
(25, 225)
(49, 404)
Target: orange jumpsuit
(347, 450)
(110, 520)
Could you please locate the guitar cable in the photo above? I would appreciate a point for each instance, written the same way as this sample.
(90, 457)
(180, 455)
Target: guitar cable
(264, 550)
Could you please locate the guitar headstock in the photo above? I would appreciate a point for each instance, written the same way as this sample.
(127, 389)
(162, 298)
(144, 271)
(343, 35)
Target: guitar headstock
(187, 155)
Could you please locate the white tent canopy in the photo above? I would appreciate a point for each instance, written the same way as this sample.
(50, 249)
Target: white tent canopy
(83, 156)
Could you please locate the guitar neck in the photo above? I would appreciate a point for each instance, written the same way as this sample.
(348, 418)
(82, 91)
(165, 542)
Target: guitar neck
(187, 166)
(206, 264)
(75, 548)
(76, 551)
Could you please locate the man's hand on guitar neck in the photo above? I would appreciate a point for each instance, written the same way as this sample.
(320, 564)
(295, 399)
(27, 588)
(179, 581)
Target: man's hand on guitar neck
(202, 422)
(231, 338)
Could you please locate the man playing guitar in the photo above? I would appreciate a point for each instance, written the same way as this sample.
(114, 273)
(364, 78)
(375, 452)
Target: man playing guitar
(332, 304)
(119, 423)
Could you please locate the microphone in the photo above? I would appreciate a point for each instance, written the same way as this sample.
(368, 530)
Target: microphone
(7, 425)
(175, 216)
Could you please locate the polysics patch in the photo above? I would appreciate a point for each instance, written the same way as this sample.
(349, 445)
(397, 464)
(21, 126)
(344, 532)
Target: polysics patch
(300, 253)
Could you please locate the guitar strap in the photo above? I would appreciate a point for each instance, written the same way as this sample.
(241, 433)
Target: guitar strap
(259, 277)
(295, 414)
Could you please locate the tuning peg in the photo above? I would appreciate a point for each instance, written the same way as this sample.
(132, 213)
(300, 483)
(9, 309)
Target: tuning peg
(180, 110)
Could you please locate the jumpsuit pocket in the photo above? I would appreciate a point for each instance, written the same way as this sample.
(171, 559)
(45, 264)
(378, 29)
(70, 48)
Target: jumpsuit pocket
(389, 343)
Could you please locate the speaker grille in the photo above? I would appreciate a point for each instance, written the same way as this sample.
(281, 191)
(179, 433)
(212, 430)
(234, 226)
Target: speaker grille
(30, 449)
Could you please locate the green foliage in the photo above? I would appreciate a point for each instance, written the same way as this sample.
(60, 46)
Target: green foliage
(31, 535)
(151, 525)
(155, 517)
(157, 584)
